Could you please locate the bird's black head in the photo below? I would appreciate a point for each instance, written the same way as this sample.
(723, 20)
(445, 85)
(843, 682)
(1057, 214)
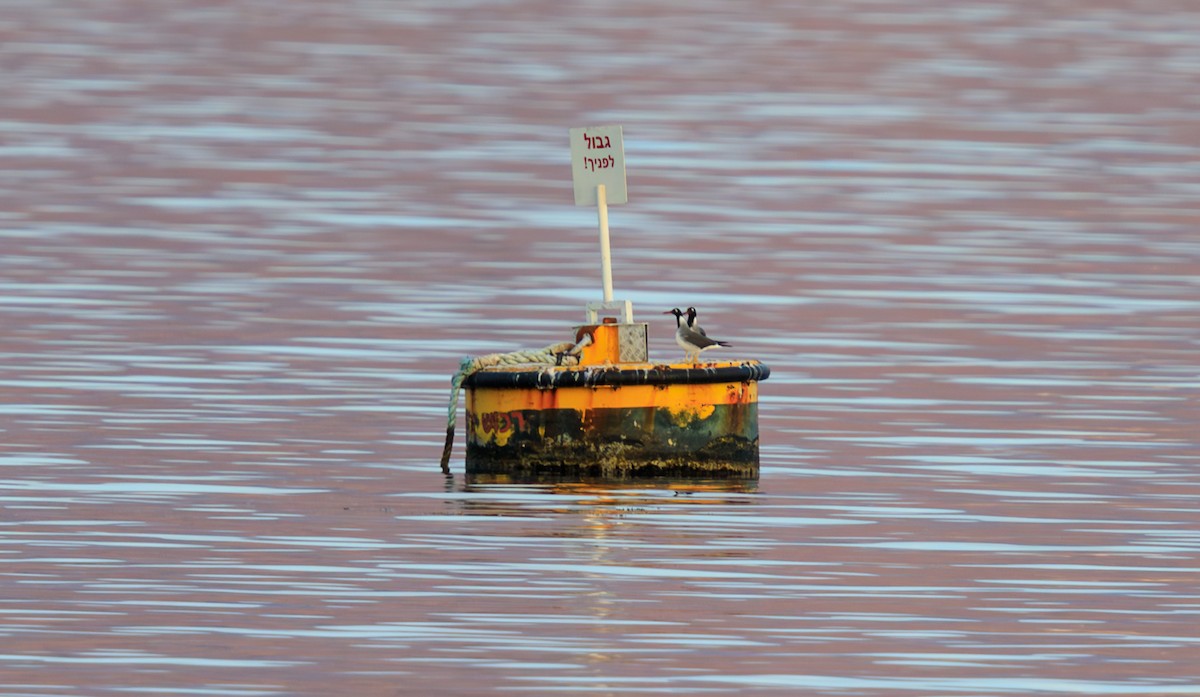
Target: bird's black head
(691, 312)
(674, 311)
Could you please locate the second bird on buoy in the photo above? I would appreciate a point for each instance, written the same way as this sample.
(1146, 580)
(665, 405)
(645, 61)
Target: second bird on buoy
(690, 336)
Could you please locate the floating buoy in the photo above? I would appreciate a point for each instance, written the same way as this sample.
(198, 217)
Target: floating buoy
(612, 414)
(596, 407)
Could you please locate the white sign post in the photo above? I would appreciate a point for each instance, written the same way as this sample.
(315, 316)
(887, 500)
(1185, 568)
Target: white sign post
(598, 171)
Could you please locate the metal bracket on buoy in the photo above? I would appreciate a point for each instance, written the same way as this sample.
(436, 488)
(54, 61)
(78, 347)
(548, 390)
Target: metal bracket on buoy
(591, 311)
(609, 342)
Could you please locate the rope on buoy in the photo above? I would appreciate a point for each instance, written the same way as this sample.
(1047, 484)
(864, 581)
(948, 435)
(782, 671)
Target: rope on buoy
(554, 354)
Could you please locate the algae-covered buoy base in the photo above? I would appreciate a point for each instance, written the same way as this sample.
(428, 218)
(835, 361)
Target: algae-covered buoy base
(631, 420)
(614, 419)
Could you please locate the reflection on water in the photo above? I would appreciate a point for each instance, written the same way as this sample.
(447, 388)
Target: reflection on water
(243, 252)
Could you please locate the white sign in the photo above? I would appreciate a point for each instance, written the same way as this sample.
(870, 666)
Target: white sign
(598, 157)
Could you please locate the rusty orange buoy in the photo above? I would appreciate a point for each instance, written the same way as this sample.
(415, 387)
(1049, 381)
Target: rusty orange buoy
(614, 414)
(609, 412)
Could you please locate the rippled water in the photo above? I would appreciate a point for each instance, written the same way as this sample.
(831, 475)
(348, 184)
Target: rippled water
(245, 245)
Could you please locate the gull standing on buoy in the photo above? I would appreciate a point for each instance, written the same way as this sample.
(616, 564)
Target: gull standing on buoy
(690, 337)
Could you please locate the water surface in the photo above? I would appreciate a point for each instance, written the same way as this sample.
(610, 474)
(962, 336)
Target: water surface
(245, 247)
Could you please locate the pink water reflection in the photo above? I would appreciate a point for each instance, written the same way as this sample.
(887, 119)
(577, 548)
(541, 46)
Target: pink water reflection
(245, 248)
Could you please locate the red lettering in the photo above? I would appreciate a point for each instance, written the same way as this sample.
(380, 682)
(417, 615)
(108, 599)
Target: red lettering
(597, 142)
(498, 421)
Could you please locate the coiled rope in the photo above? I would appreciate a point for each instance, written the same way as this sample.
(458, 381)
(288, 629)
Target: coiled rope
(554, 354)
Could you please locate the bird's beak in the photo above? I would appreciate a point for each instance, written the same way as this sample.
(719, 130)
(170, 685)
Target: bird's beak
(669, 312)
